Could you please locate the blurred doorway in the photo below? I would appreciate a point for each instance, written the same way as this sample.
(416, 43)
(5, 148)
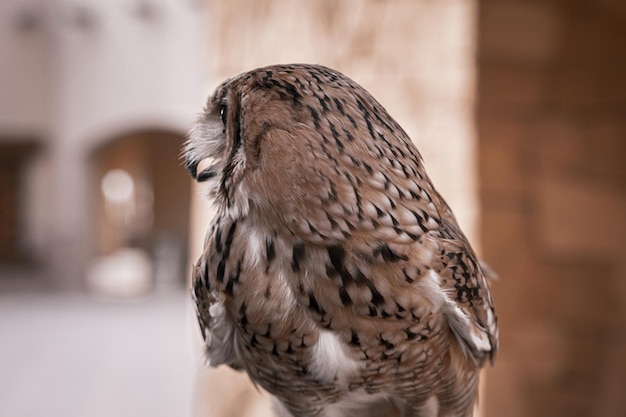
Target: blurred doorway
(15, 243)
(140, 214)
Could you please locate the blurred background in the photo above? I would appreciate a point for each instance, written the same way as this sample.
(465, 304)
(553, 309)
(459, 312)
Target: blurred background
(518, 107)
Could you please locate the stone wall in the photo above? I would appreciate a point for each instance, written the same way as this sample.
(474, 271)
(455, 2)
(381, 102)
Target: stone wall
(551, 122)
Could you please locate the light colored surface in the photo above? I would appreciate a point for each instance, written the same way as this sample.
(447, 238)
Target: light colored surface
(71, 355)
(75, 76)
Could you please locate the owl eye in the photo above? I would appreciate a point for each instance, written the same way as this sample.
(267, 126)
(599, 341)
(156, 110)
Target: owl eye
(223, 112)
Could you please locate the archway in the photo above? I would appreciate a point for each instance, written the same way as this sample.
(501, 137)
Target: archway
(140, 214)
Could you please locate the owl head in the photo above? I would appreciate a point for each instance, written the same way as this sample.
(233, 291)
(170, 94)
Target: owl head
(290, 138)
(224, 147)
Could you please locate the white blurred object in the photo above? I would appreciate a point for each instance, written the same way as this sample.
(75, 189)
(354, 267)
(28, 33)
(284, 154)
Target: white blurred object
(125, 273)
(118, 186)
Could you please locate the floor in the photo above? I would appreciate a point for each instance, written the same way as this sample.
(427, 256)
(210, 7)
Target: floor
(71, 355)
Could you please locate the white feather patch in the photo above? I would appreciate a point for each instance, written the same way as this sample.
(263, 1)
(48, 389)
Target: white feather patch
(219, 337)
(256, 248)
(330, 360)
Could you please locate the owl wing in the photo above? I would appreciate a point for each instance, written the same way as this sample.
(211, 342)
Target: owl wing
(467, 279)
(470, 312)
(381, 273)
(388, 242)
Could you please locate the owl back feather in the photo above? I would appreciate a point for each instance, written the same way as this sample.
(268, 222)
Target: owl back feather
(355, 257)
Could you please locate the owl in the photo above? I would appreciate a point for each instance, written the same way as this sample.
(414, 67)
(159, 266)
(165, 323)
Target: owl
(333, 273)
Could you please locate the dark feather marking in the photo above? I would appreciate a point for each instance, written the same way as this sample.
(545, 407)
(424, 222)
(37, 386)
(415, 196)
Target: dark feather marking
(384, 342)
(313, 305)
(354, 338)
(339, 106)
(270, 252)
(293, 91)
(407, 278)
(333, 223)
(336, 255)
(297, 255)
(316, 117)
(366, 117)
(243, 318)
(359, 277)
(229, 239)
(407, 175)
(410, 335)
(336, 136)
(371, 131)
(415, 195)
(377, 297)
(220, 271)
(205, 278)
(331, 272)
(345, 297)
(268, 292)
(388, 254)
(348, 135)
(313, 229)
(218, 240)
(233, 279)
(332, 196)
(316, 78)
(323, 103)
(413, 236)
(236, 138)
(420, 221)
(352, 121)
(228, 290)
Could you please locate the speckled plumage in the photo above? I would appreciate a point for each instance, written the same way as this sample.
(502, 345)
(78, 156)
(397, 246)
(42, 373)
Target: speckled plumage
(334, 273)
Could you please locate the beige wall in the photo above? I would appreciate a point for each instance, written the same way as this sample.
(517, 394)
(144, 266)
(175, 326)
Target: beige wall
(551, 122)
